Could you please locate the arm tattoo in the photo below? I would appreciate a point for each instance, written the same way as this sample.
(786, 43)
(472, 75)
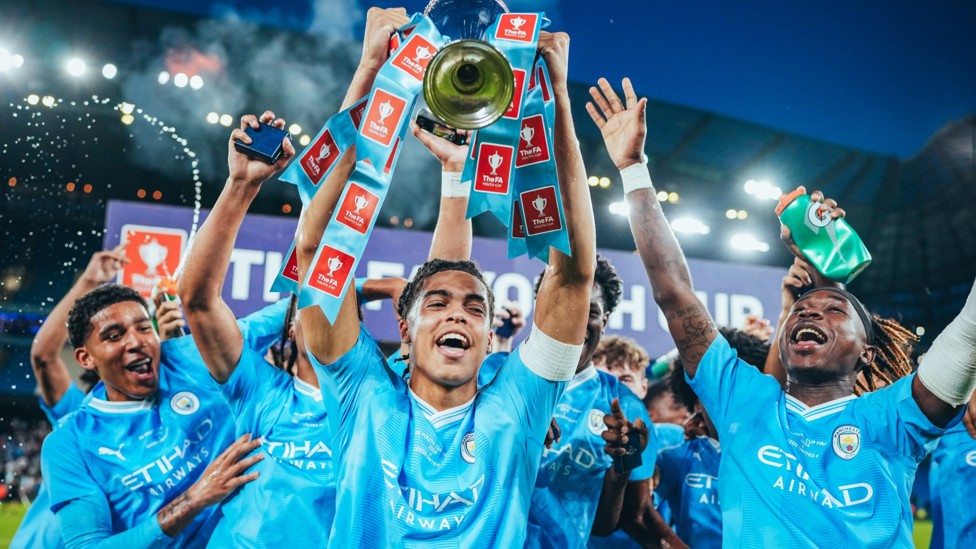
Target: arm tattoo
(176, 515)
(693, 331)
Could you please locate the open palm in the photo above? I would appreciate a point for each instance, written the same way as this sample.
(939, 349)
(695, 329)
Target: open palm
(622, 125)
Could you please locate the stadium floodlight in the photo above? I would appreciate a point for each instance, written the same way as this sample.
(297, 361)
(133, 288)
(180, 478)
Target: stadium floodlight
(163, 78)
(620, 208)
(33, 99)
(213, 117)
(762, 189)
(6, 60)
(748, 243)
(304, 140)
(294, 129)
(226, 120)
(76, 67)
(690, 225)
(196, 81)
(180, 80)
(109, 71)
(47, 101)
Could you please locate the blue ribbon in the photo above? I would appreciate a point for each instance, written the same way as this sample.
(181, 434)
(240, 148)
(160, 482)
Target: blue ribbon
(378, 145)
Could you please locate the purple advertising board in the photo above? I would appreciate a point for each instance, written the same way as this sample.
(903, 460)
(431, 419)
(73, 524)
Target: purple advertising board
(730, 291)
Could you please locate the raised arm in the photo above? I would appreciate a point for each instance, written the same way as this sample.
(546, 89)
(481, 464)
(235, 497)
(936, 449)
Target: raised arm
(50, 371)
(562, 305)
(947, 375)
(624, 129)
(452, 234)
(211, 320)
(327, 342)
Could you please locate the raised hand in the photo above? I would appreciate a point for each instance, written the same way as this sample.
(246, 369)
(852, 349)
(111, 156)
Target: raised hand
(620, 429)
(380, 26)
(450, 155)
(247, 170)
(828, 206)
(169, 318)
(757, 326)
(622, 125)
(554, 47)
(104, 266)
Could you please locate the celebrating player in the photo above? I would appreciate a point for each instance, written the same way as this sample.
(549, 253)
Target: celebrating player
(577, 491)
(58, 395)
(140, 463)
(284, 410)
(434, 458)
(815, 466)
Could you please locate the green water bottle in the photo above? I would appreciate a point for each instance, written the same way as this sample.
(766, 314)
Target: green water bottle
(831, 245)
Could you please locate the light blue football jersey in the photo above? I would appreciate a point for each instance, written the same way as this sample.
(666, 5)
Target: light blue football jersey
(138, 456)
(689, 483)
(953, 481)
(292, 502)
(409, 476)
(40, 526)
(834, 475)
(669, 434)
(570, 478)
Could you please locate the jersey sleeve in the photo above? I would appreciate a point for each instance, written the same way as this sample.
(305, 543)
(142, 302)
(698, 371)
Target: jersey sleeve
(894, 421)
(69, 402)
(262, 328)
(252, 388)
(523, 381)
(634, 409)
(86, 523)
(65, 474)
(728, 387)
(354, 376)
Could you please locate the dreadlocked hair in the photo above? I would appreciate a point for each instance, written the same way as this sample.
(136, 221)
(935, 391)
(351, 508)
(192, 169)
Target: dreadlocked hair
(892, 358)
(282, 360)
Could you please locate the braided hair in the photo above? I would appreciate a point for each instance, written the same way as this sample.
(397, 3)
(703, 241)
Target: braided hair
(892, 358)
(285, 351)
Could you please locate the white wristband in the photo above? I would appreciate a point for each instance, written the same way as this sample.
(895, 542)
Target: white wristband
(452, 187)
(635, 177)
(949, 368)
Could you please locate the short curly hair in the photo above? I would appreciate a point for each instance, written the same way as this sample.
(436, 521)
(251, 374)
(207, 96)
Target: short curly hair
(412, 290)
(606, 277)
(750, 349)
(88, 305)
(622, 350)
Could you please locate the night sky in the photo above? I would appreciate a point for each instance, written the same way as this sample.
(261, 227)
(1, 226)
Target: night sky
(880, 76)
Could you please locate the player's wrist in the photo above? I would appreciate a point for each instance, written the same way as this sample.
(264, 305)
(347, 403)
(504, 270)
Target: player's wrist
(635, 176)
(452, 186)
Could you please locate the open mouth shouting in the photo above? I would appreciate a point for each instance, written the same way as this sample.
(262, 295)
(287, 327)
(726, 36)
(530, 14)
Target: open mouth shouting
(142, 369)
(807, 338)
(453, 344)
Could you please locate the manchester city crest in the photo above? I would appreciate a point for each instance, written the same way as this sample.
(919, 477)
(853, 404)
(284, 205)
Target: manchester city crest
(595, 422)
(847, 441)
(184, 403)
(467, 448)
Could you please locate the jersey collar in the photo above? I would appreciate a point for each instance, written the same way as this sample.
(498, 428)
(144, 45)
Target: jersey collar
(308, 389)
(819, 411)
(444, 417)
(124, 407)
(582, 377)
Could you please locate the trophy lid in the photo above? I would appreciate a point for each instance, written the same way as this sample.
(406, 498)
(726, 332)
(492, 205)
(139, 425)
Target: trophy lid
(464, 19)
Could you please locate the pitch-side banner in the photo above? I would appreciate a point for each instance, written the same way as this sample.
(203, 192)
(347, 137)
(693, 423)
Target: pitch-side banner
(730, 291)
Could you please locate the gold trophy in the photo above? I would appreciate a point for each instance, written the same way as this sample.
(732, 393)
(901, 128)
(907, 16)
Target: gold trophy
(469, 84)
